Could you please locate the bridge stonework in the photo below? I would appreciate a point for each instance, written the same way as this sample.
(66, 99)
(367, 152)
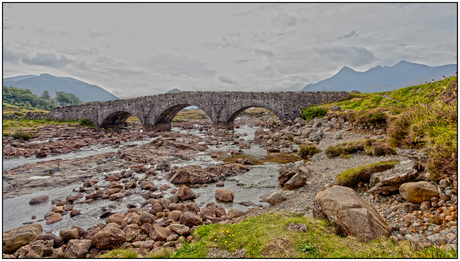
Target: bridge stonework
(158, 111)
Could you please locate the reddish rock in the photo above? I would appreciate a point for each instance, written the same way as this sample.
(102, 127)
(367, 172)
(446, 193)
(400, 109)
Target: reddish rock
(77, 248)
(190, 174)
(67, 234)
(190, 219)
(175, 215)
(186, 193)
(224, 195)
(115, 218)
(55, 217)
(74, 212)
(220, 184)
(38, 200)
(108, 238)
(57, 209)
(116, 196)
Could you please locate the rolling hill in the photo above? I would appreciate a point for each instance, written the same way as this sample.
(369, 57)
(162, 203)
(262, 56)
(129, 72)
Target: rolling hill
(379, 79)
(46, 82)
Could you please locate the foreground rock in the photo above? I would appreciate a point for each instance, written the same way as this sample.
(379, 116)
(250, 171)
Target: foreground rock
(390, 180)
(417, 192)
(276, 197)
(353, 215)
(293, 175)
(38, 200)
(21, 236)
(224, 195)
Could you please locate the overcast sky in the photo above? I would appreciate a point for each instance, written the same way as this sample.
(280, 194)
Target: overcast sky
(142, 49)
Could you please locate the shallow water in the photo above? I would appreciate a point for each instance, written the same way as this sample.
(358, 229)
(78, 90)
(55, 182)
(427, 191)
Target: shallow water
(249, 186)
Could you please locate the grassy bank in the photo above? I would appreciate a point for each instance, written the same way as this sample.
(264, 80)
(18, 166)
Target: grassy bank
(24, 125)
(270, 238)
(421, 117)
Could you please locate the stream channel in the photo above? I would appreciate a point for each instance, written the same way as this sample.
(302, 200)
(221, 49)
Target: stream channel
(247, 187)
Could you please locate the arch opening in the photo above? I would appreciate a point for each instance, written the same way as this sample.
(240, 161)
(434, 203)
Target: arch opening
(181, 115)
(120, 119)
(254, 115)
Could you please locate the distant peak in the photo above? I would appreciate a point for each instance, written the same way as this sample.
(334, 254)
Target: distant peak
(346, 69)
(45, 74)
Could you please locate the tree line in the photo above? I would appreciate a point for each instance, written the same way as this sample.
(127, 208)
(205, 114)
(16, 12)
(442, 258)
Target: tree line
(24, 97)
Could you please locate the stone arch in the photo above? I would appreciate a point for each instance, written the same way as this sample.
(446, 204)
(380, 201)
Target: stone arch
(237, 112)
(164, 119)
(117, 119)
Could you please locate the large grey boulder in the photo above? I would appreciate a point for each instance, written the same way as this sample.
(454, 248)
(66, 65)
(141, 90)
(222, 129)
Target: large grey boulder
(390, 180)
(315, 136)
(352, 214)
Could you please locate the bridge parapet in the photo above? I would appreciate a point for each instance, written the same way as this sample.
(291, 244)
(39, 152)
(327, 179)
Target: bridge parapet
(157, 111)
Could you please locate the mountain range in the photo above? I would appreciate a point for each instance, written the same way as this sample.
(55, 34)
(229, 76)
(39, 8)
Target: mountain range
(46, 82)
(379, 79)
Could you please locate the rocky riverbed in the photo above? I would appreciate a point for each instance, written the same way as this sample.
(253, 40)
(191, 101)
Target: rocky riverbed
(150, 189)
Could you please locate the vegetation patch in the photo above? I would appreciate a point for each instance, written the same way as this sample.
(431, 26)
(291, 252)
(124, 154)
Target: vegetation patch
(372, 147)
(269, 238)
(434, 127)
(120, 253)
(28, 125)
(85, 122)
(22, 136)
(313, 111)
(351, 177)
(308, 151)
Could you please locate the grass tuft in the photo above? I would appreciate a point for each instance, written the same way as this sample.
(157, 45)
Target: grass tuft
(351, 177)
(120, 253)
(308, 151)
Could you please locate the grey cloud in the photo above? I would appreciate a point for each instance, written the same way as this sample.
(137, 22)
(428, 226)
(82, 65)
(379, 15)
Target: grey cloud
(284, 20)
(240, 61)
(225, 79)
(10, 55)
(352, 34)
(48, 60)
(179, 65)
(266, 53)
(352, 55)
(402, 45)
(99, 34)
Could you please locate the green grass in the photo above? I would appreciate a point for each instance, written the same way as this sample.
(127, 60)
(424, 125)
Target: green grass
(308, 151)
(351, 177)
(270, 239)
(23, 125)
(372, 147)
(313, 112)
(120, 253)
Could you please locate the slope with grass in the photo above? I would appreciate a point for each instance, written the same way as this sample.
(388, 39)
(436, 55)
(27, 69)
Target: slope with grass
(422, 117)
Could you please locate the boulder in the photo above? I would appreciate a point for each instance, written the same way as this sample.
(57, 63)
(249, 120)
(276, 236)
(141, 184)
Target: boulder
(276, 197)
(116, 196)
(306, 132)
(287, 171)
(390, 180)
(315, 136)
(300, 121)
(45, 237)
(77, 248)
(68, 233)
(55, 217)
(146, 217)
(18, 237)
(108, 238)
(163, 232)
(180, 229)
(416, 192)
(175, 215)
(36, 249)
(335, 108)
(234, 213)
(298, 180)
(163, 165)
(351, 214)
(190, 219)
(259, 132)
(185, 193)
(224, 195)
(115, 218)
(38, 200)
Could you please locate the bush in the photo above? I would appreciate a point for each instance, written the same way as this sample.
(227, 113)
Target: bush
(86, 122)
(313, 112)
(22, 136)
(305, 152)
(352, 177)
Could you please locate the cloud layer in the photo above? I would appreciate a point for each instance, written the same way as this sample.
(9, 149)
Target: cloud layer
(149, 48)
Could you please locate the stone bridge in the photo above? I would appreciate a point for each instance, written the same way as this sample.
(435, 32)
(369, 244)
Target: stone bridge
(157, 111)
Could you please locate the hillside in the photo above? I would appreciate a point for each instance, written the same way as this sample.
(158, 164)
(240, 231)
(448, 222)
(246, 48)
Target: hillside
(385, 78)
(46, 82)
(173, 90)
